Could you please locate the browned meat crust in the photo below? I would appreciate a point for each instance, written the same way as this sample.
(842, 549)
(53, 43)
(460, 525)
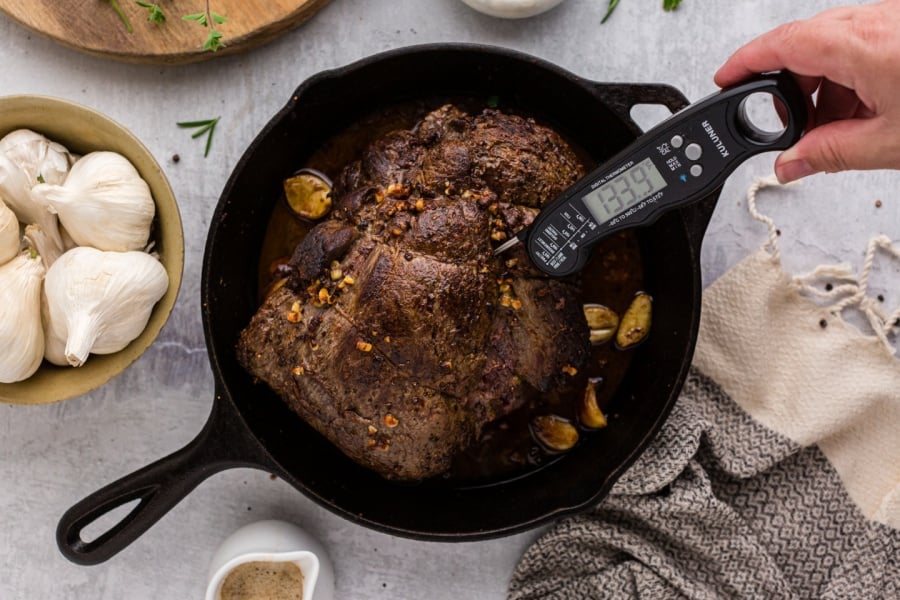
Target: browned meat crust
(398, 334)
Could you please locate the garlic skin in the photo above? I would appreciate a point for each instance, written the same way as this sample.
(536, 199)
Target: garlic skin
(54, 345)
(100, 301)
(17, 193)
(37, 156)
(103, 203)
(9, 234)
(40, 241)
(67, 241)
(21, 333)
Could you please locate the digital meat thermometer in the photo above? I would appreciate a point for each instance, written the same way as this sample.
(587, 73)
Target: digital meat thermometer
(682, 160)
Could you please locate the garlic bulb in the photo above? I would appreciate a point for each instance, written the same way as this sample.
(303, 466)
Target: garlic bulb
(103, 203)
(38, 157)
(9, 234)
(100, 301)
(21, 334)
(16, 191)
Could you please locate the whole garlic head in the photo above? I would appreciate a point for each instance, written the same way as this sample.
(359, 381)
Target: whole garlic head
(9, 234)
(103, 203)
(37, 156)
(16, 192)
(21, 333)
(100, 301)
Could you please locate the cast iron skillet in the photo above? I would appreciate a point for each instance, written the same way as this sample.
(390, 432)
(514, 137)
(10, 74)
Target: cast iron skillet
(250, 427)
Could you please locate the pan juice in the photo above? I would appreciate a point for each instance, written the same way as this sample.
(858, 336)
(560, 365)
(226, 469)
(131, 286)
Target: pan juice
(263, 580)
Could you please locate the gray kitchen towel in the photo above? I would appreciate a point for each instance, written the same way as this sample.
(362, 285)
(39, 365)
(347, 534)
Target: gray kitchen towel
(777, 474)
(718, 507)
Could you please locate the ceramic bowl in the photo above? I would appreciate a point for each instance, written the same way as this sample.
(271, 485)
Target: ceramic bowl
(512, 9)
(84, 130)
(274, 541)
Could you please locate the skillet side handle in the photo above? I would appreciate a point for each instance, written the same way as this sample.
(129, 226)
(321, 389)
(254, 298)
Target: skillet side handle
(157, 487)
(622, 97)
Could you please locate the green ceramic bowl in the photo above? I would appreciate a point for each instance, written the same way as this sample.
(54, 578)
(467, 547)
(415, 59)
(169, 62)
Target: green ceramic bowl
(83, 130)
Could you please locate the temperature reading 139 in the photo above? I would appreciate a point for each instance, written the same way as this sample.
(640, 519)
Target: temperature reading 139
(624, 191)
(684, 159)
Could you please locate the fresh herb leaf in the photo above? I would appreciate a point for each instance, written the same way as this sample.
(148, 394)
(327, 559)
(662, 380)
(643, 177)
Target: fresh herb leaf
(192, 124)
(203, 130)
(609, 11)
(198, 17)
(668, 5)
(213, 41)
(154, 12)
(32, 253)
(207, 126)
(118, 9)
(40, 178)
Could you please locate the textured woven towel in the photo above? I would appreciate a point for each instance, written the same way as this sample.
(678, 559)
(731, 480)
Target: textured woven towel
(777, 474)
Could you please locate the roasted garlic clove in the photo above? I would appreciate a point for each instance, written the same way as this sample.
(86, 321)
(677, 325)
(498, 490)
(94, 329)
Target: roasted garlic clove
(308, 194)
(603, 322)
(636, 321)
(590, 414)
(600, 317)
(554, 432)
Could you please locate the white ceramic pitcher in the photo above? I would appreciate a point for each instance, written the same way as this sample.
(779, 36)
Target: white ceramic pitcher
(274, 541)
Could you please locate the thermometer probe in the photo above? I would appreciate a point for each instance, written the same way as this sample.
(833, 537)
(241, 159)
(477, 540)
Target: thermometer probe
(682, 160)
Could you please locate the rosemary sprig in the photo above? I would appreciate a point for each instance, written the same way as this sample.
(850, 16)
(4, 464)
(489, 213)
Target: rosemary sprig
(609, 11)
(208, 19)
(207, 126)
(121, 13)
(154, 12)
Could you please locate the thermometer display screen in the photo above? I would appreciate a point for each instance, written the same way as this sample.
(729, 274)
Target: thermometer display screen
(624, 191)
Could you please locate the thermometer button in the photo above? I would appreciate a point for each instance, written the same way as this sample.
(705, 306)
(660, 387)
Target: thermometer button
(693, 151)
(696, 170)
(677, 141)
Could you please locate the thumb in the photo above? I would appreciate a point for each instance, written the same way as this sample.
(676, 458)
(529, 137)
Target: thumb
(840, 146)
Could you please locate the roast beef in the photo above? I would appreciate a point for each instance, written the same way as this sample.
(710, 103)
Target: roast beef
(398, 334)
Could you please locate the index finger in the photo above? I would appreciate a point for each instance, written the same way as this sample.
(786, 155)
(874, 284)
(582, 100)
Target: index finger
(813, 49)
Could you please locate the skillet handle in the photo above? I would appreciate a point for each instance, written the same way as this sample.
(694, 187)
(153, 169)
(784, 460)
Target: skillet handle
(622, 97)
(157, 487)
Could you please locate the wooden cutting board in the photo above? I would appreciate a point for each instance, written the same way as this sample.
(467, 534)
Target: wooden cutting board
(93, 26)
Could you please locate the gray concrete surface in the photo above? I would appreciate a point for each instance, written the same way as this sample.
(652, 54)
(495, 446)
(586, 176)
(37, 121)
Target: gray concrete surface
(52, 456)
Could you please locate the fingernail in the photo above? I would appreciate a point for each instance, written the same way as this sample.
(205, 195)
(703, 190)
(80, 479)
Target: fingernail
(793, 170)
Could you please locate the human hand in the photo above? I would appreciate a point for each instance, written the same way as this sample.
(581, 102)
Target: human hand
(850, 55)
